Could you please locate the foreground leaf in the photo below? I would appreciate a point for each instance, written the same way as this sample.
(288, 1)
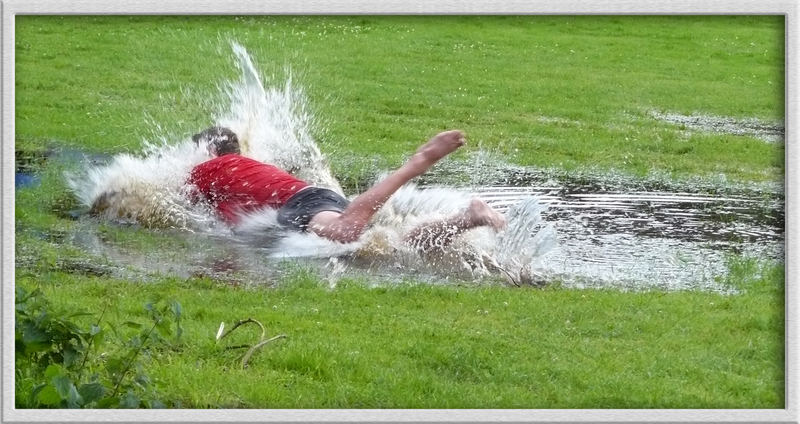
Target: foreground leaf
(91, 392)
(48, 396)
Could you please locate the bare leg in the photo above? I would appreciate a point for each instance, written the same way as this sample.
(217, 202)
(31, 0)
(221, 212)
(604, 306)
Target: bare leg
(438, 234)
(348, 226)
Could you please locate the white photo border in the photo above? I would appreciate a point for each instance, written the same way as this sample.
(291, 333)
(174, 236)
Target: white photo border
(789, 9)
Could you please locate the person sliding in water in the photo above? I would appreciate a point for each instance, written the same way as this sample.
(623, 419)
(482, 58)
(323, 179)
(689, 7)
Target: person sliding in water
(234, 185)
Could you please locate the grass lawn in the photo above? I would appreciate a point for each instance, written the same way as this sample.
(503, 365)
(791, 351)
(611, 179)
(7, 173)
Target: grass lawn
(545, 91)
(423, 346)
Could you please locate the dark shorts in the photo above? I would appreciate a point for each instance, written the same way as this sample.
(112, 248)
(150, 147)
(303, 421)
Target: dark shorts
(306, 203)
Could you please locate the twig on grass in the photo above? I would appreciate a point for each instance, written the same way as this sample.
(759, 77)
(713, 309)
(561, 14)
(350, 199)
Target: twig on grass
(240, 323)
(258, 346)
(237, 347)
(261, 343)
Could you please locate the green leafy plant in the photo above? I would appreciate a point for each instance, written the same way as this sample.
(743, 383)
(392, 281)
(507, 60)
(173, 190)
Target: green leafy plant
(55, 351)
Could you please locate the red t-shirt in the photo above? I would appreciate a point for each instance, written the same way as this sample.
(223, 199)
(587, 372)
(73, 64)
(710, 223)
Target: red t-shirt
(235, 184)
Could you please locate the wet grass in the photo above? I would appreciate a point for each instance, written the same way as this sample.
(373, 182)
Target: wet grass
(422, 346)
(564, 92)
(546, 91)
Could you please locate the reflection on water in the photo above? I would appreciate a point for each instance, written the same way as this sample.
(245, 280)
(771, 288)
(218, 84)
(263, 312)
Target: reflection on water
(629, 240)
(622, 234)
(635, 238)
(722, 221)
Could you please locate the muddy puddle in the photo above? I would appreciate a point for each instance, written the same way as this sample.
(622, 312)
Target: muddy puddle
(611, 233)
(649, 239)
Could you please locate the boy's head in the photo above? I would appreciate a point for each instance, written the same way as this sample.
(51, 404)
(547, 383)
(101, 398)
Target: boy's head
(220, 140)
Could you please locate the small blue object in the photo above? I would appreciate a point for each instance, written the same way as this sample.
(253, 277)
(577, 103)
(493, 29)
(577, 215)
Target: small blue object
(22, 180)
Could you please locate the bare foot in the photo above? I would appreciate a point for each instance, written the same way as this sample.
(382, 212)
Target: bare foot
(441, 145)
(479, 214)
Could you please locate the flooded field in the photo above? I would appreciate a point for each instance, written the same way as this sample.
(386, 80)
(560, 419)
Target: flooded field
(610, 233)
(573, 228)
(638, 238)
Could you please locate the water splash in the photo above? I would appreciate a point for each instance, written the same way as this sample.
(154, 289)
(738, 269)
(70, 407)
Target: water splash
(274, 126)
(148, 189)
(531, 239)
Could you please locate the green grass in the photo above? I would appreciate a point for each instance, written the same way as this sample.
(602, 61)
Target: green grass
(548, 91)
(422, 346)
(381, 85)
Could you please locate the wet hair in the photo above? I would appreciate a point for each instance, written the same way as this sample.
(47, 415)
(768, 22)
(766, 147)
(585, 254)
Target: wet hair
(221, 140)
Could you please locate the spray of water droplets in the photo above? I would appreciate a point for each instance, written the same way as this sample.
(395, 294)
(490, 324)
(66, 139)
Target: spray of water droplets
(274, 126)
